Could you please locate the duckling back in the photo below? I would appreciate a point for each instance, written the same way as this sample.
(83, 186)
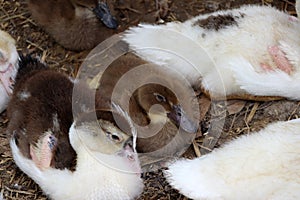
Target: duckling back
(262, 165)
(208, 46)
(71, 24)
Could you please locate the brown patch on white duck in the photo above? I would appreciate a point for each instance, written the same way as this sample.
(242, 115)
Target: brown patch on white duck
(217, 22)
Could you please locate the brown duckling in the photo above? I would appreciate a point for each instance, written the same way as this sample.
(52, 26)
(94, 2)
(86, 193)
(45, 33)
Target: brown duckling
(75, 24)
(165, 125)
(8, 67)
(83, 24)
(62, 153)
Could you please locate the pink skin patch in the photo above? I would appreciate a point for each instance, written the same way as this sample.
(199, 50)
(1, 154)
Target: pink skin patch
(42, 154)
(279, 59)
(6, 80)
(266, 67)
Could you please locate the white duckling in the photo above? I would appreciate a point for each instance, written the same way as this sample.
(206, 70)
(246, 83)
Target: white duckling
(253, 50)
(262, 165)
(88, 157)
(8, 67)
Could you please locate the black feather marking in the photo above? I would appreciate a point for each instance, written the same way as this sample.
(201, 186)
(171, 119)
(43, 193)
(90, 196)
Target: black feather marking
(28, 65)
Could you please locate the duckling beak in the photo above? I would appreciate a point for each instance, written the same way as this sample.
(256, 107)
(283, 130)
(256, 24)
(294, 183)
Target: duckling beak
(180, 119)
(131, 156)
(128, 144)
(103, 13)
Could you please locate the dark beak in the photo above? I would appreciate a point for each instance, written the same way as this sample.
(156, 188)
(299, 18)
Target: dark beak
(180, 119)
(103, 13)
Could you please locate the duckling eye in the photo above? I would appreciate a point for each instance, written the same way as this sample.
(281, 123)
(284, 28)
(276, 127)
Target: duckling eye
(113, 137)
(159, 97)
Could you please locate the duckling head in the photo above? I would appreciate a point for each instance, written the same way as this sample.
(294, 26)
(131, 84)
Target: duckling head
(102, 137)
(162, 105)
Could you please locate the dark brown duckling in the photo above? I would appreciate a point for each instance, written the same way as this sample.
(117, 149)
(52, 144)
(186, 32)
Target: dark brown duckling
(60, 152)
(41, 101)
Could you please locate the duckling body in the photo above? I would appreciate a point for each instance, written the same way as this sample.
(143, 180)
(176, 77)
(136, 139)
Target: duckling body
(221, 48)
(8, 67)
(74, 24)
(70, 158)
(262, 165)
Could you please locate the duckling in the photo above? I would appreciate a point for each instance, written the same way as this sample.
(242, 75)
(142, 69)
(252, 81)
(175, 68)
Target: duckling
(249, 51)
(261, 165)
(75, 24)
(158, 102)
(8, 67)
(85, 157)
